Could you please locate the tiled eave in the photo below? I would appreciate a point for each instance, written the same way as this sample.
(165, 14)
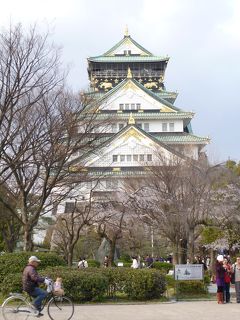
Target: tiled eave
(126, 59)
(181, 138)
(145, 115)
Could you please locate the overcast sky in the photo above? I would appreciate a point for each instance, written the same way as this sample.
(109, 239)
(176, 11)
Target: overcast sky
(202, 39)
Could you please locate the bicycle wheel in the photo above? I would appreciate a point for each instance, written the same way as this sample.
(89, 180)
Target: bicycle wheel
(15, 308)
(60, 308)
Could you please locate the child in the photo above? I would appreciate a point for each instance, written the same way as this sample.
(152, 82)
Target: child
(58, 290)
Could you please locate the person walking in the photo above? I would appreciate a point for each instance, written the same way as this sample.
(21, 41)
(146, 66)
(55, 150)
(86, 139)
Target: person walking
(220, 272)
(236, 278)
(227, 280)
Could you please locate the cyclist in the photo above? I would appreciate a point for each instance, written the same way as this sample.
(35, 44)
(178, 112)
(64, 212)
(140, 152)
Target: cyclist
(31, 280)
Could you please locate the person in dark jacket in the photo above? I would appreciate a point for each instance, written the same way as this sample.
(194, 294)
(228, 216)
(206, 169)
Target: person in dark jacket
(220, 272)
(31, 281)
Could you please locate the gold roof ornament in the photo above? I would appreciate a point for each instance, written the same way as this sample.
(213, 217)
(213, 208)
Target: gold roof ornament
(126, 34)
(131, 120)
(129, 74)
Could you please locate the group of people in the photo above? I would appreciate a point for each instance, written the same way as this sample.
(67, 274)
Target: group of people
(147, 263)
(227, 273)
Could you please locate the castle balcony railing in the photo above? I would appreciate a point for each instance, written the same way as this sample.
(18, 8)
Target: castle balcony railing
(123, 74)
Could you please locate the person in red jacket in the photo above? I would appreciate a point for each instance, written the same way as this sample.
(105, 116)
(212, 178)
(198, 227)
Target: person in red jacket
(31, 281)
(227, 280)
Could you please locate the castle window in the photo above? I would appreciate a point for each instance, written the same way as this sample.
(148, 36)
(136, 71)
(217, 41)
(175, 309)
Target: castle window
(115, 158)
(171, 126)
(164, 126)
(135, 157)
(141, 157)
(146, 127)
(132, 106)
(126, 106)
(149, 157)
(138, 106)
(129, 157)
(122, 157)
(121, 106)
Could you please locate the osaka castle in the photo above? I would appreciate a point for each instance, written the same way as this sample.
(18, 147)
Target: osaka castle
(142, 118)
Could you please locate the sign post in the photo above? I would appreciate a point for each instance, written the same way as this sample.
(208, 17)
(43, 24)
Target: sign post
(187, 272)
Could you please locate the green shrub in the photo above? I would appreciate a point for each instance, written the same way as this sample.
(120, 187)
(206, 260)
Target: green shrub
(93, 263)
(97, 283)
(125, 258)
(80, 284)
(15, 262)
(171, 282)
(11, 283)
(164, 266)
(191, 287)
(145, 284)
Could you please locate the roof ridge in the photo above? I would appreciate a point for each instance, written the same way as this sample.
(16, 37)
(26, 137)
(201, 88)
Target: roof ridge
(122, 41)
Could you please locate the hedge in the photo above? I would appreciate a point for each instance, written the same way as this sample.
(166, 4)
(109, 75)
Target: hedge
(191, 287)
(15, 262)
(164, 266)
(98, 283)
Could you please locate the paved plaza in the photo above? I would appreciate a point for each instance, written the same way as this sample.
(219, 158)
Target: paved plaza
(194, 310)
(161, 311)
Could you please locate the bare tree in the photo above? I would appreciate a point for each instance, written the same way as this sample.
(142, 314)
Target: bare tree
(43, 127)
(226, 200)
(175, 199)
(69, 225)
(9, 225)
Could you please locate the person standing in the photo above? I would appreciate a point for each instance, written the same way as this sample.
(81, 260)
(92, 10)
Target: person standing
(149, 261)
(106, 262)
(236, 278)
(227, 280)
(82, 263)
(220, 272)
(135, 264)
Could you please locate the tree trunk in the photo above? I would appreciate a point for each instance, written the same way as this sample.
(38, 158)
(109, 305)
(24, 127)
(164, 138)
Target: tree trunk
(27, 238)
(183, 251)
(175, 254)
(70, 257)
(112, 250)
(191, 247)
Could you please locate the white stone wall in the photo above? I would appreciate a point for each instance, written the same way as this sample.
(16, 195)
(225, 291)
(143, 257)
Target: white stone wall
(132, 97)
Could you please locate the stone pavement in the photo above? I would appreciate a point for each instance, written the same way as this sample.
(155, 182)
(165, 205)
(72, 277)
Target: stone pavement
(194, 310)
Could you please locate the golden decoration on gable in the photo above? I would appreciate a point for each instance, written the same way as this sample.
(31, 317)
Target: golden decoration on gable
(132, 133)
(151, 85)
(131, 120)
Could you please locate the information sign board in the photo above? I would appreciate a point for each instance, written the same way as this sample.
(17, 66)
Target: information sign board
(188, 272)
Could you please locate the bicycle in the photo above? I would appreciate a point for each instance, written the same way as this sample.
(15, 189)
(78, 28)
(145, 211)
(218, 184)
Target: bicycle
(18, 306)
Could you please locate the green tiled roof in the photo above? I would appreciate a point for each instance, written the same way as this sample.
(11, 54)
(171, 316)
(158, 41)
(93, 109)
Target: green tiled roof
(168, 138)
(146, 115)
(127, 59)
(127, 38)
(180, 138)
